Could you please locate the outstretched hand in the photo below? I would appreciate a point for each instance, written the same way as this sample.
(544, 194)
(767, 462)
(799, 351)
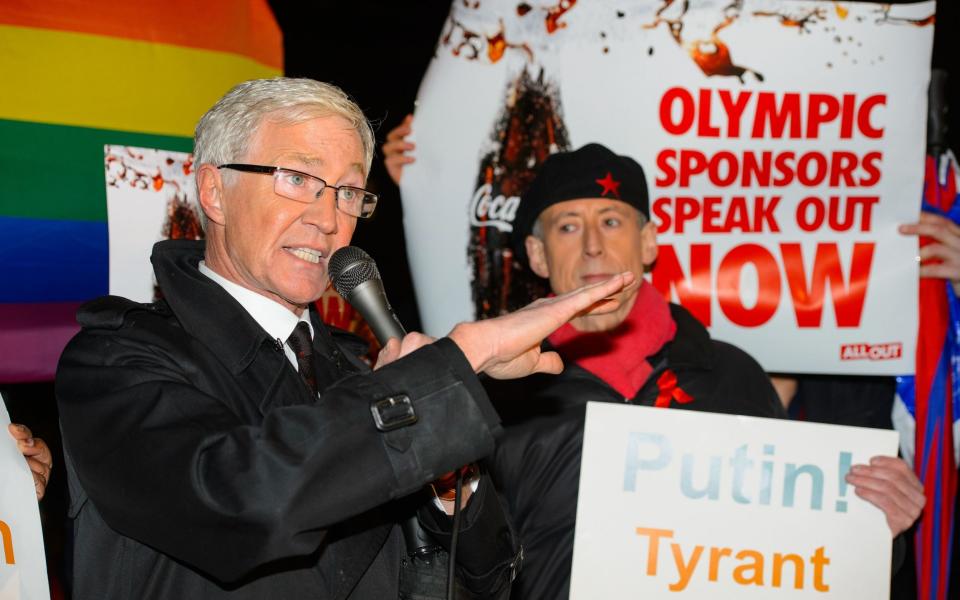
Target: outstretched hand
(508, 347)
(37, 454)
(941, 257)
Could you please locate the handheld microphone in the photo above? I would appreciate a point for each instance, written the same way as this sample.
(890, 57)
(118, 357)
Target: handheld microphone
(355, 276)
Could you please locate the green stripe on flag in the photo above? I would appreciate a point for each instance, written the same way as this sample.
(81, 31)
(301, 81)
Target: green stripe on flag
(57, 172)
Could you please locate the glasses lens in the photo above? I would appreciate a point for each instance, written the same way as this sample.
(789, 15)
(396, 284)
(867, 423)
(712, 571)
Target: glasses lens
(297, 186)
(356, 202)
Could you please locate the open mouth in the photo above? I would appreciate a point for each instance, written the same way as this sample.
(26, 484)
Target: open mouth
(308, 254)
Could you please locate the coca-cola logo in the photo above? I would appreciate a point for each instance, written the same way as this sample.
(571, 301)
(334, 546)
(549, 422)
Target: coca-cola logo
(489, 211)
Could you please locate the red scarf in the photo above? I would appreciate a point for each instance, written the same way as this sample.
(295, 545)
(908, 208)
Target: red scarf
(619, 356)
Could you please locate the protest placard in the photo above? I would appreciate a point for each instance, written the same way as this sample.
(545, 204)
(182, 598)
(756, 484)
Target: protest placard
(783, 142)
(683, 504)
(23, 567)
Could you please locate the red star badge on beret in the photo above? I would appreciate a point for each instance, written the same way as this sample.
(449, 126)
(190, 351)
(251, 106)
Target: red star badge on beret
(610, 185)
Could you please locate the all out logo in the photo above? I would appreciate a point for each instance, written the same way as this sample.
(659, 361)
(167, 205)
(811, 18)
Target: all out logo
(885, 351)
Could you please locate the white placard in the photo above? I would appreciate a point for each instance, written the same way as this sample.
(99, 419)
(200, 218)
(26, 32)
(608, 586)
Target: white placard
(683, 504)
(23, 567)
(783, 142)
(151, 196)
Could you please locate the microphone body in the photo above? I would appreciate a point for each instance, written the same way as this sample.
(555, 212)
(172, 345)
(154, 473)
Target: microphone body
(370, 300)
(356, 278)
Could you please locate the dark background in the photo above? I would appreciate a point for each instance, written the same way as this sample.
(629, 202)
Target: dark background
(377, 50)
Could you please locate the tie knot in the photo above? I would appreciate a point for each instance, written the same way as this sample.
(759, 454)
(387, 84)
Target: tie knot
(300, 341)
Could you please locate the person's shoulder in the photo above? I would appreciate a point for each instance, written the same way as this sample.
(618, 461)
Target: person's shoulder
(113, 312)
(113, 325)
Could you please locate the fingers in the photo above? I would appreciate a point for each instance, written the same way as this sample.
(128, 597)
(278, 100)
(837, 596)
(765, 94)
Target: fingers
(890, 485)
(549, 362)
(388, 353)
(396, 148)
(934, 226)
(588, 296)
(19, 432)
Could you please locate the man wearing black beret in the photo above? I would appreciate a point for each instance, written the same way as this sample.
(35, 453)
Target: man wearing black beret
(585, 217)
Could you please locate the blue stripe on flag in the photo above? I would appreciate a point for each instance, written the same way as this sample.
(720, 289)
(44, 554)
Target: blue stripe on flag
(52, 261)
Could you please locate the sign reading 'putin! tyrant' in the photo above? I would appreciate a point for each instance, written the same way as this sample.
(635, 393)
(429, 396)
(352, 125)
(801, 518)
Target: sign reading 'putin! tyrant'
(683, 504)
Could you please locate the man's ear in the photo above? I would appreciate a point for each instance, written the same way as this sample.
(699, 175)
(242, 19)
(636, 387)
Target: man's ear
(210, 190)
(537, 255)
(648, 243)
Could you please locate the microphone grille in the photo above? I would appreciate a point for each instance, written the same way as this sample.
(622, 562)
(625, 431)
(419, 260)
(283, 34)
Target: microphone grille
(349, 267)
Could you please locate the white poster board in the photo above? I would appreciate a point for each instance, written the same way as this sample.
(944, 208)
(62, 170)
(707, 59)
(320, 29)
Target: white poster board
(151, 196)
(783, 141)
(23, 567)
(683, 504)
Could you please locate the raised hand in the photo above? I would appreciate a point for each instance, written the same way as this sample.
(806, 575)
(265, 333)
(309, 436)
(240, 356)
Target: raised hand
(508, 347)
(941, 258)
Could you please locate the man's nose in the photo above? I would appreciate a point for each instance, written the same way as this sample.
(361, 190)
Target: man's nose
(322, 212)
(592, 242)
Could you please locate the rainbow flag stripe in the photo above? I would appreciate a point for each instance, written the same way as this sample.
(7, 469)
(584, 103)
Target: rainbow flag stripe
(77, 76)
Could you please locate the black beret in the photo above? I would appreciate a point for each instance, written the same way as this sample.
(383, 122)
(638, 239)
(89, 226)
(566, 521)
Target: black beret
(592, 171)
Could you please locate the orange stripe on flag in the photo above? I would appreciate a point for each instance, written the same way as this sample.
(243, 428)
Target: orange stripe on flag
(244, 27)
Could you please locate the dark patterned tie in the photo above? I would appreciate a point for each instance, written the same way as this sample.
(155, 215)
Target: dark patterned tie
(302, 345)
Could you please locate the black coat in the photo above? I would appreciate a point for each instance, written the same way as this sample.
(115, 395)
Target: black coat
(201, 466)
(537, 463)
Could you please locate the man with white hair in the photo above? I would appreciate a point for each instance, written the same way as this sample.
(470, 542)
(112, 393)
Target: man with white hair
(224, 443)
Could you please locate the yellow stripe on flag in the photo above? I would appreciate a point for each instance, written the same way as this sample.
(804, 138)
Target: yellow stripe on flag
(87, 80)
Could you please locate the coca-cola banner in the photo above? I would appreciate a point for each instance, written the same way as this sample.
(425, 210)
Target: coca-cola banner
(783, 143)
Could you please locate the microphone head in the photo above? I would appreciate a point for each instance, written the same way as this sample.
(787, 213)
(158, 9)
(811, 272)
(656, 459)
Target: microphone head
(349, 267)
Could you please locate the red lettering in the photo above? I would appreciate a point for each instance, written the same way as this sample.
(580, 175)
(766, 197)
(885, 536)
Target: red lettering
(863, 115)
(870, 165)
(763, 211)
(711, 215)
(842, 167)
(728, 285)
(847, 300)
(754, 170)
(733, 168)
(822, 108)
(661, 213)
(688, 209)
(846, 120)
(784, 165)
(692, 162)
(704, 128)
(668, 174)
(693, 292)
(687, 111)
(803, 169)
(807, 222)
(734, 110)
(768, 112)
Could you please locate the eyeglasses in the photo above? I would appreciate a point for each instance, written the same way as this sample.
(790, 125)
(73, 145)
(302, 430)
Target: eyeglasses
(304, 187)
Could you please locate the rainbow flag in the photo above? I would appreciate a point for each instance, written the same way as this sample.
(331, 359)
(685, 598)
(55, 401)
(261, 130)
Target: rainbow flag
(933, 397)
(78, 75)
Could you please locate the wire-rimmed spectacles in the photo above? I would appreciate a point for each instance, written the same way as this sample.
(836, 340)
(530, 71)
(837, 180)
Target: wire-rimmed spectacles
(307, 188)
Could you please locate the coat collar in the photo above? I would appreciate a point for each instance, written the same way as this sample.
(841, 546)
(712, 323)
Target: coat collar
(204, 308)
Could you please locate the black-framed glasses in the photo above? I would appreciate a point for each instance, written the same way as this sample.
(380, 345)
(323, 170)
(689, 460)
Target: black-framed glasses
(306, 188)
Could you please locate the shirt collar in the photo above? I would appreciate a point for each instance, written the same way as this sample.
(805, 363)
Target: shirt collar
(277, 320)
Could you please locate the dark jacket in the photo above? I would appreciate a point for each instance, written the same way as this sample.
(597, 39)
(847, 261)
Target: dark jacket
(537, 463)
(201, 466)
